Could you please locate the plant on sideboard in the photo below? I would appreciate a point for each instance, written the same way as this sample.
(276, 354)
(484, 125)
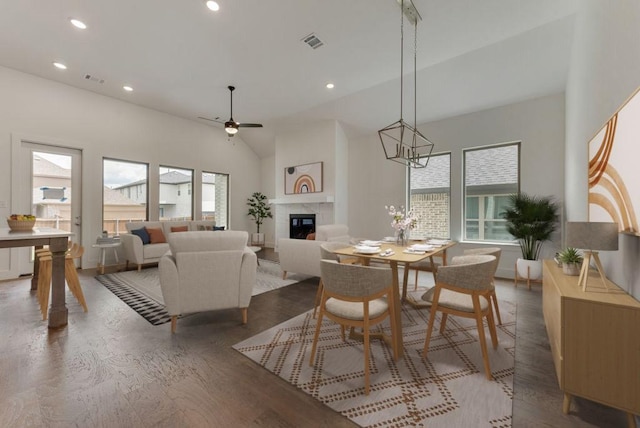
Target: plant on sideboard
(571, 259)
(531, 220)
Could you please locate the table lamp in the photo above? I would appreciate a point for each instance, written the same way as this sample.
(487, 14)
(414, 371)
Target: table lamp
(590, 236)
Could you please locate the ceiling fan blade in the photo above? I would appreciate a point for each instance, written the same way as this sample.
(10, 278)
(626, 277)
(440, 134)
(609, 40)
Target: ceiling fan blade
(217, 119)
(250, 125)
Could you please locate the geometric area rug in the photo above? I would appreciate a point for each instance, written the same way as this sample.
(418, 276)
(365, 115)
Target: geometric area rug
(141, 290)
(448, 389)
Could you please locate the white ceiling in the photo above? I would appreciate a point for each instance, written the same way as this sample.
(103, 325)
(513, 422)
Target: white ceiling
(180, 57)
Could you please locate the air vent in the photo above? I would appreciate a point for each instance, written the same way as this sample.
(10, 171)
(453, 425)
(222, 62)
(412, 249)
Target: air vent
(313, 41)
(93, 79)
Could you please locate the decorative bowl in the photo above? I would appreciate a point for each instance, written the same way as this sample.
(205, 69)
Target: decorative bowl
(21, 225)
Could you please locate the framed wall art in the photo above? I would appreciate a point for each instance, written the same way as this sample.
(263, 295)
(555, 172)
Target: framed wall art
(614, 188)
(303, 179)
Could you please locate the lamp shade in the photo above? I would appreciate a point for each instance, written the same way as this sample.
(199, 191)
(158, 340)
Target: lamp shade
(592, 235)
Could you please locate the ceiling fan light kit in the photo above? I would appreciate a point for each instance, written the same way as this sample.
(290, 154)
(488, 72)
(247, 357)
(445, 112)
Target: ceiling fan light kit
(231, 126)
(402, 142)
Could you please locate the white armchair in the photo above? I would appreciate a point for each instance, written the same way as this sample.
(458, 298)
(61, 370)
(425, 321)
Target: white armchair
(207, 271)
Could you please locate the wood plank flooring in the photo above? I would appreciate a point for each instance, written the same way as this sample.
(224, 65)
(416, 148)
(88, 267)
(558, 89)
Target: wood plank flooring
(110, 367)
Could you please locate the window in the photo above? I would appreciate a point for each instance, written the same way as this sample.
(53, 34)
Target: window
(215, 198)
(429, 197)
(124, 194)
(175, 203)
(491, 174)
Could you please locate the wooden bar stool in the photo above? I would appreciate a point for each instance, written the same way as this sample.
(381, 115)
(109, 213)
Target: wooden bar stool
(71, 275)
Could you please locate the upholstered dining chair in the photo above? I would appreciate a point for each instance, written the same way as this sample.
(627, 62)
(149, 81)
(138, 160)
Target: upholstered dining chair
(463, 289)
(490, 251)
(327, 253)
(355, 296)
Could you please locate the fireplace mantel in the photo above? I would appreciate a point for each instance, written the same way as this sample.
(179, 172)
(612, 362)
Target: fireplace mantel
(303, 199)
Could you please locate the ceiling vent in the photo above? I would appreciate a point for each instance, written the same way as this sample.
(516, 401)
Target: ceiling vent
(95, 79)
(313, 41)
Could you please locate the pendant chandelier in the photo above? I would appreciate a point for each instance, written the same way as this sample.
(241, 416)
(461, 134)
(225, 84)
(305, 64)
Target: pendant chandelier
(402, 142)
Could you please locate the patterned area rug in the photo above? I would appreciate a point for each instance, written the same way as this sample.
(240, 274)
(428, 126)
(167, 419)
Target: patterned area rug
(141, 290)
(449, 389)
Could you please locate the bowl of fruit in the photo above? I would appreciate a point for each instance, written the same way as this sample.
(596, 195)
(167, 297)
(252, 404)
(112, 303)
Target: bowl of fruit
(21, 222)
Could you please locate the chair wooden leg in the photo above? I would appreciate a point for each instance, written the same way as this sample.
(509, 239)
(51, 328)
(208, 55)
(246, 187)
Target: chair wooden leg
(174, 319)
(139, 268)
(495, 308)
(443, 322)
(366, 356)
(318, 297)
(245, 316)
(432, 320)
(284, 274)
(481, 336)
(315, 337)
(415, 285)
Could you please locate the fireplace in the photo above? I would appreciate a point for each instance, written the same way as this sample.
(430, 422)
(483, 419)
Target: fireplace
(300, 225)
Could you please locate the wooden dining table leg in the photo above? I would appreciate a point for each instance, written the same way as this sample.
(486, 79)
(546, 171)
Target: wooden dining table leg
(58, 312)
(398, 346)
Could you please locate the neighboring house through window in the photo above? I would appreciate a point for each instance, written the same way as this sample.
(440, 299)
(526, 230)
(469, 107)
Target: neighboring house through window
(491, 174)
(430, 197)
(124, 194)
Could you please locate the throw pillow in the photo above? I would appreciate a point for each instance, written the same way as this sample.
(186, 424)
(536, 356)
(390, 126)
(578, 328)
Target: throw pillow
(142, 233)
(311, 236)
(203, 227)
(218, 228)
(156, 236)
(179, 228)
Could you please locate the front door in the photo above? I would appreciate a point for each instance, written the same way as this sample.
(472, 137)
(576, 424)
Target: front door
(46, 182)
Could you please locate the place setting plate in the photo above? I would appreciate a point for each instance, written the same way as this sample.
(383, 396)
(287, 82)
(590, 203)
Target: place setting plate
(368, 243)
(366, 249)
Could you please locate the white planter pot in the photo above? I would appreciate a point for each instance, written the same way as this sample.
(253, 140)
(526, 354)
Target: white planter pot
(531, 269)
(572, 269)
(257, 239)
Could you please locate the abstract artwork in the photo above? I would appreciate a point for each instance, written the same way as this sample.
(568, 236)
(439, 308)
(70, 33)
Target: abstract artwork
(303, 178)
(614, 187)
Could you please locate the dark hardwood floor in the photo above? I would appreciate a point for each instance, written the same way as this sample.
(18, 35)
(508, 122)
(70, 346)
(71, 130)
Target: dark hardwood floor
(110, 367)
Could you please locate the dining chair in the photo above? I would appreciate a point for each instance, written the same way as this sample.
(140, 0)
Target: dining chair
(327, 253)
(355, 296)
(463, 289)
(491, 251)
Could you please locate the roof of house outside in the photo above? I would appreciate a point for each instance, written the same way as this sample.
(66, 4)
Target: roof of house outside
(45, 168)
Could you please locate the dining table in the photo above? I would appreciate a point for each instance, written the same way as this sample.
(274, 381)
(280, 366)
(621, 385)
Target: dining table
(57, 240)
(399, 255)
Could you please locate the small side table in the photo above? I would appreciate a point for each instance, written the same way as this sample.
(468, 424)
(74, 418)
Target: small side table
(103, 254)
(255, 250)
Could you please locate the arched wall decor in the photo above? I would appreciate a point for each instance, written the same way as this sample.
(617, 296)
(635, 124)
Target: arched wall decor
(613, 161)
(303, 179)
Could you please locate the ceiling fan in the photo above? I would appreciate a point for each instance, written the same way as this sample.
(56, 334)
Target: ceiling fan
(231, 126)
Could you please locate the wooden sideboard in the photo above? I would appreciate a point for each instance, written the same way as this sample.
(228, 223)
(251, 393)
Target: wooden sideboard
(594, 338)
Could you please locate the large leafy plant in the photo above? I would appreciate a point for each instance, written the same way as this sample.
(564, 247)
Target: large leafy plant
(531, 220)
(258, 208)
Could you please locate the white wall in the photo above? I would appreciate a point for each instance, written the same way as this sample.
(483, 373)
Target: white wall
(604, 72)
(44, 111)
(539, 123)
(268, 188)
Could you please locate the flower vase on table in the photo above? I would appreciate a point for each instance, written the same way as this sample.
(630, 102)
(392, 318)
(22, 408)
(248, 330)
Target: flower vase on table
(402, 223)
(402, 237)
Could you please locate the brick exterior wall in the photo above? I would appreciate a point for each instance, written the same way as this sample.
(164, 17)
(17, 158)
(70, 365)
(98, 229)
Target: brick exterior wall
(433, 211)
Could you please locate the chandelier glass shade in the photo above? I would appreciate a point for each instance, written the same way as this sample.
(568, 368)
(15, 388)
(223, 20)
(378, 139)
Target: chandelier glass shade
(402, 142)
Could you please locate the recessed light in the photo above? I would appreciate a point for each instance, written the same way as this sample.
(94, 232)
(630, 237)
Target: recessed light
(127, 88)
(212, 5)
(329, 85)
(78, 24)
(59, 65)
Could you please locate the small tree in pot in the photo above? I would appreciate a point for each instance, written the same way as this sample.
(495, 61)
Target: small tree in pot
(258, 210)
(531, 220)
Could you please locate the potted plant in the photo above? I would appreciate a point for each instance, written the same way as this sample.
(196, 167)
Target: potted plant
(531, 220)
(258, 211)
(571, 259)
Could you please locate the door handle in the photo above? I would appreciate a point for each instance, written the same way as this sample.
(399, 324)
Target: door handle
(78, 221)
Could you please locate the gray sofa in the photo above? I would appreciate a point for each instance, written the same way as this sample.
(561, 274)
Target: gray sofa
(137, 253)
